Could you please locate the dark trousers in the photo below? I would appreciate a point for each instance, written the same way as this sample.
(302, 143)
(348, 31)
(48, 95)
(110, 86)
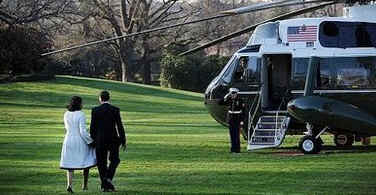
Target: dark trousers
(234, 132)
(110, 151)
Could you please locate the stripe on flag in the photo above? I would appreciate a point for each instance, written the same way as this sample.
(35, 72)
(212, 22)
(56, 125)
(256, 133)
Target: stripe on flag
(301, 33)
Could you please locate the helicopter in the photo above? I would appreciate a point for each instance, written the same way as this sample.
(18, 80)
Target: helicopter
(313, 74)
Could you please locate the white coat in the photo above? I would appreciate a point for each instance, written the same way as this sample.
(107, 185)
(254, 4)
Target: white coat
(76, 153)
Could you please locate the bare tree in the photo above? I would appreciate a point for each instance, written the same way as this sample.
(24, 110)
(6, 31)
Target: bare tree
(53, 18)
(130, 16)
(210, 30)
(14, 12)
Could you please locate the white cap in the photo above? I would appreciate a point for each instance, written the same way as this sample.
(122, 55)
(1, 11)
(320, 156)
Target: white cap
(234, 90)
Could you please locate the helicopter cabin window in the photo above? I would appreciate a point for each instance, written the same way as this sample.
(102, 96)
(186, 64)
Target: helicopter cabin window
(354, 72)
(324, 76)
(347, 34)
(299, 71)
(337, 73)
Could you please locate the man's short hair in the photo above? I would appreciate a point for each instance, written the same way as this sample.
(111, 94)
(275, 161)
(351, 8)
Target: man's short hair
(105, 96)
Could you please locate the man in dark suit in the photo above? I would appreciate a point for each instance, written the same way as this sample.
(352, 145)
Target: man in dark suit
(108, 134)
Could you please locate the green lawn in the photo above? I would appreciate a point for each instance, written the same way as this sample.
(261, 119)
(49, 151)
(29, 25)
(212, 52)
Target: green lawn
(174, 147)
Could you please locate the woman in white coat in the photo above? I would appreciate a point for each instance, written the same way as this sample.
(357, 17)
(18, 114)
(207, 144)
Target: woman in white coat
(76, 153)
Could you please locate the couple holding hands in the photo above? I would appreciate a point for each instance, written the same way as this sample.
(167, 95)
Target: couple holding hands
(82, 150)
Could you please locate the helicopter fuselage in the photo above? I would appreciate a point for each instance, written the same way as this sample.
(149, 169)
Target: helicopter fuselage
(278, 55)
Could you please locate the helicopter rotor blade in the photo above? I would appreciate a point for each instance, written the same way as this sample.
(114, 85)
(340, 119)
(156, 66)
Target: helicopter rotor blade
(134, 34)
(257, 7)
(274, 4)
(253, 27)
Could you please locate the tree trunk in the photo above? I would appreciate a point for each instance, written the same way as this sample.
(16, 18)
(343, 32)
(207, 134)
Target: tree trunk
(124, 77)
(147, 73)
(146, 60)
(122, 56)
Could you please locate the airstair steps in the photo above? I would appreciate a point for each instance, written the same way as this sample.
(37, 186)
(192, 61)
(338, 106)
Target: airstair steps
(265, 133)
(269, 125)
(272, 118)
(269, 131)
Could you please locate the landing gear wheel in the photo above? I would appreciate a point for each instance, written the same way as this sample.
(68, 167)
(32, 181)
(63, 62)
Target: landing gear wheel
(343, 140)
(309, 145)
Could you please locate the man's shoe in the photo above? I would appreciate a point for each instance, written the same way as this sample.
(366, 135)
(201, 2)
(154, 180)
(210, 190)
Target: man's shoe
(110, 186)
(105, 190)
(69, 189)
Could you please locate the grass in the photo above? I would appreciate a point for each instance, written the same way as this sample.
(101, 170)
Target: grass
(175, 147)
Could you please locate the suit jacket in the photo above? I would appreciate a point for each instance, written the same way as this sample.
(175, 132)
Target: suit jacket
(106, 126)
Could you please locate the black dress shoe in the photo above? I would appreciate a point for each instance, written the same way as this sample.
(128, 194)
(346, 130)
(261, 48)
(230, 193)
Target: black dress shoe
(69, 189)
(105, 190)
(111, 187)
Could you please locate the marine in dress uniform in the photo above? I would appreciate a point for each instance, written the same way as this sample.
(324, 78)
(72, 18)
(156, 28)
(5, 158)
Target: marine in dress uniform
(235, 115)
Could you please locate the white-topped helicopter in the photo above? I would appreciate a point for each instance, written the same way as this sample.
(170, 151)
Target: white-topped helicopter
(317, 74)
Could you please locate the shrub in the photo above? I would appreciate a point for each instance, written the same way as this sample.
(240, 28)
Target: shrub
(177, 72)
(191, 73)
(20, 50)
(209, 69)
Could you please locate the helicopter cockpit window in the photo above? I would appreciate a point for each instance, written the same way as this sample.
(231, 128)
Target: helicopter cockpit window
(239, 75)
(227, 75)
(347, 34)
(238, 68)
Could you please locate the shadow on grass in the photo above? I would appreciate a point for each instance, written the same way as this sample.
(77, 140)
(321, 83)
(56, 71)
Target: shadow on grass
(250, 181)
(326, 150)
(175, 124)
(132, 192)
(123, 87)
(150, 152)
(206, 182)
(189, 173)
(57, 100)
(28, 123)
(31, 105)
(351, 149)
(181, 150)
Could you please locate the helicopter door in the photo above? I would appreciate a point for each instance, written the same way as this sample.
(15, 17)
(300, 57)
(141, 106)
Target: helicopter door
(276, 74)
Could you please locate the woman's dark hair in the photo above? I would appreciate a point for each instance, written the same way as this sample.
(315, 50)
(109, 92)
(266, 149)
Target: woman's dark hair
(75, 104)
